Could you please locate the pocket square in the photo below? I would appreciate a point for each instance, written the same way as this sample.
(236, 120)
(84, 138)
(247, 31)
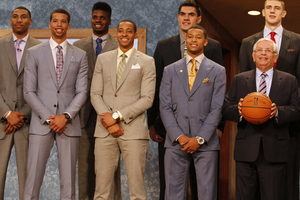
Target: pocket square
(290, 50)
(206, 80)
(137, 66)
(73, 59)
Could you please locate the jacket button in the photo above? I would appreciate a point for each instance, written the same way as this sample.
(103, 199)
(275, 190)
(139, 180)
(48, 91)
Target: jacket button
(116, 95)
(57, 91)
(186, 117)
(190, 99)
(54, 106)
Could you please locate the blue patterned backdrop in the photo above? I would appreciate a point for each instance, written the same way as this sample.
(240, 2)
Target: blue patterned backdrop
(160, 19)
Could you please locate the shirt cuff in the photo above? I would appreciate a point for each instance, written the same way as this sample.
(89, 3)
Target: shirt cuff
(121, 117)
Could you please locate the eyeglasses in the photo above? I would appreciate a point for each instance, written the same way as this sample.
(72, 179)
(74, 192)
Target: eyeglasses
(264, 50)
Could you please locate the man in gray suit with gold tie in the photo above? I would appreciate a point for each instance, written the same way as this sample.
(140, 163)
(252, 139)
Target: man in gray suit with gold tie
(55, 87)
(101, 41)
(14, 111)
(120, 94)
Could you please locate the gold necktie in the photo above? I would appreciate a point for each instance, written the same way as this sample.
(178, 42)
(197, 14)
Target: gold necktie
(192, 74)
(121, 68)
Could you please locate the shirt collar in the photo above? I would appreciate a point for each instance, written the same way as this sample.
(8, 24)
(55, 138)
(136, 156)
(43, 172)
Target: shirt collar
(269, 72)
(104, 37)
(24, 38)
(278, 31)
(128, 53)
(182, 39)
(199, 58)
(53, 44)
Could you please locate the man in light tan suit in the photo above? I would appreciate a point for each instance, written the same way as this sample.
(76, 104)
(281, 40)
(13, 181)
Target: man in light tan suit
(14, 112)
(120, 94)
(100, 21)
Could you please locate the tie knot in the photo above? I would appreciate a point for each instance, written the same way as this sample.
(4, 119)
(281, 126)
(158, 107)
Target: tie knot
(18, 42)
(263, 75)
(124, 56)
(272, 34)
(59, 47)
(99, 40)
(194, 61)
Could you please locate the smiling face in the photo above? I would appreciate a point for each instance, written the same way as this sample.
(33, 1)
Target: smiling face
(59, 26)
(195, 41)
(20, 22)
(100, 22)
(274, 13)
(126, 35)
(187, 17)
(264, 56)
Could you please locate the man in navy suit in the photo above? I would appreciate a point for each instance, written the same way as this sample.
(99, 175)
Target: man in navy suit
(191, 95)
(261, 151)
(167, 52)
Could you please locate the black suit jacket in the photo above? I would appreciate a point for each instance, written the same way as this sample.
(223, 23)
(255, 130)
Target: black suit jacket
(167, 52)
(274, 133)
(289, 55)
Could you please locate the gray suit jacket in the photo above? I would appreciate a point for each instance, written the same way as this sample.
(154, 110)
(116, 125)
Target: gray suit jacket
(86, 44)
(195, 113)
(45, 96)
(11, 82)
(133, 96)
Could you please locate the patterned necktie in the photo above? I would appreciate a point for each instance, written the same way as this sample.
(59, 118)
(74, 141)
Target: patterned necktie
(59, 63)
(99, 46)
(262, 84)
(18, 52)
(184, 51)
(121, 68)
(192, 74)
(273, 39)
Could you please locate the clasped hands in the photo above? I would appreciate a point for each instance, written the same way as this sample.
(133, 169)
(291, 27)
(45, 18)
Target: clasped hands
(190, 145)
(58, 123)
(273, 108)
(14, 122)
(111, 124)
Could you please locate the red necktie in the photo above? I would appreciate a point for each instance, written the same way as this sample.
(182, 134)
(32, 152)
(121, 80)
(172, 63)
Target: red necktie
(273, 39)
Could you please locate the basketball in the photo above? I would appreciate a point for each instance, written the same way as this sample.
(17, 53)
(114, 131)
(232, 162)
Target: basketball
(256, 108)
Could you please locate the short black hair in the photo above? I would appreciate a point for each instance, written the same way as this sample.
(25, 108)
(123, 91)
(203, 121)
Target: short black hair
(198, 27)
(63, 11)
(22, 8)
(191, 3)
(128, 20)
(102, 6)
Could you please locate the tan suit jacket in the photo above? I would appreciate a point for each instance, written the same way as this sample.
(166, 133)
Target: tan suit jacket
(11, 98)
(133, 96)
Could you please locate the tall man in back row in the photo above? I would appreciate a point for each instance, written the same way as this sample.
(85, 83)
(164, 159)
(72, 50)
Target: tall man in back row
(15, 113)
(101, 41)
(288, 44)
(167, 52)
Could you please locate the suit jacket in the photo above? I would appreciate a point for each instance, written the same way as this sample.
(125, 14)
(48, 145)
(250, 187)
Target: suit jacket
(86, 44)
(11, 82)
(167, 52)
(289, 55)
(45, 96)
(195, 113)
(133, 96)
(275, 136)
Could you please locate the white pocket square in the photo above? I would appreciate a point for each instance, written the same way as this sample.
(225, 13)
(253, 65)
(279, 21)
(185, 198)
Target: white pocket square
(137, 66)
(73, 59)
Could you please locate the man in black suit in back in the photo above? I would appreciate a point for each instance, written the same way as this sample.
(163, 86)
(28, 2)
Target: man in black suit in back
(167, 52)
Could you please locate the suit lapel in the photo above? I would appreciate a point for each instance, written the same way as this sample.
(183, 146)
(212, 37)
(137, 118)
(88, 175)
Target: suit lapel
(29, 44)
(204, 70)
(276, 83)
(286, 39)
(251, 82)
(89, 48)
(11, 53)
(68, 58)
(48, 55)
(132, 60)
(113, 67)
(182, 73)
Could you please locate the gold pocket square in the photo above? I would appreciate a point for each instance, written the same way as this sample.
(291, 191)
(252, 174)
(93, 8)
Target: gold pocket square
(206, 80)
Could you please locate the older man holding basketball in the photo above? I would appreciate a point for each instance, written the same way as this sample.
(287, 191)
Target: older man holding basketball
(261, 151)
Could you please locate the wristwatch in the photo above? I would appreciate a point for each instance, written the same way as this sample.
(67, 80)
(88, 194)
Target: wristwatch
(200, 140)
(116, 115)
(67, 116)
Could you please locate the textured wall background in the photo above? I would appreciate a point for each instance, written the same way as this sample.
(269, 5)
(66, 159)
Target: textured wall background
(160, 19)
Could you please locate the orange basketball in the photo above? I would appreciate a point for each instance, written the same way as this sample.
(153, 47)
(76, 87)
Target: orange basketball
(256, 108)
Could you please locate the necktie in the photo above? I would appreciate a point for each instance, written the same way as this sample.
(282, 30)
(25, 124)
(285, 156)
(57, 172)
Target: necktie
(262, 84)
(59, 63)
(184, 51)
(99, 46)
(192, 74)
(273, 39)
(18, 52)
(121, 68)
